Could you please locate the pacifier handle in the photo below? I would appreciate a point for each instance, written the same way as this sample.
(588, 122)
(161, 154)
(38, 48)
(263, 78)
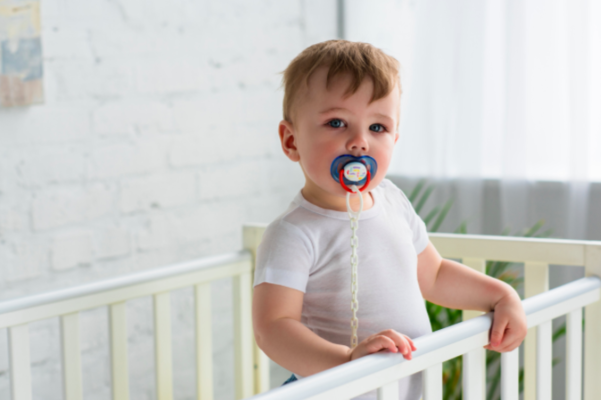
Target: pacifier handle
(347, 188)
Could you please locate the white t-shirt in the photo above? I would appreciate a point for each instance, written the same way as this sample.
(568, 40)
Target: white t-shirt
(307, 248)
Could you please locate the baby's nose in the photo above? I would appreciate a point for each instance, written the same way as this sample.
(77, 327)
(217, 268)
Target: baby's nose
(358, 142)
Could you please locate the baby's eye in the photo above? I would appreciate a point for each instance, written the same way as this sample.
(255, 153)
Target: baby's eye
(336, 123)
(377, 127)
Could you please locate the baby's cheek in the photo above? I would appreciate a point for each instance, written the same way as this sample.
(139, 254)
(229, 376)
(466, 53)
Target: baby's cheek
(314, 169)
(319, 163)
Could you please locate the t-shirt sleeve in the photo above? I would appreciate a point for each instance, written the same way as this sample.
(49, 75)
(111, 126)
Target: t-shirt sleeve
(417, 225)
(284, 257)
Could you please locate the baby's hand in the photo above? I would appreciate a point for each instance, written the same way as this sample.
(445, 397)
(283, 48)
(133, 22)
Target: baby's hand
(385, 340)
(509, 326)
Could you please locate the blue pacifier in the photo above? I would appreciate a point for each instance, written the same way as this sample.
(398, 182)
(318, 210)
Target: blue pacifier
(350, 170)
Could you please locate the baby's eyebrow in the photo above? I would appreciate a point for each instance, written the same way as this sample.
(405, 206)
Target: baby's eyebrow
(344, 109)
(383, 116)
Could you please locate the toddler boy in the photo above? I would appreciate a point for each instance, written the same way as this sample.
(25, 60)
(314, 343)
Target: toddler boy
(343, 98)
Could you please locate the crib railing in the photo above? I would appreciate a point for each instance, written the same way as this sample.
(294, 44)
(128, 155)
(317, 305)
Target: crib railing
(17, 314)
(537, 254)
(382, 371)
(252, 366)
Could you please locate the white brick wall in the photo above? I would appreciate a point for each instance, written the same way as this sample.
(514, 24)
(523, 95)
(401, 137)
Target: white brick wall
(70, 250)
(157, 140)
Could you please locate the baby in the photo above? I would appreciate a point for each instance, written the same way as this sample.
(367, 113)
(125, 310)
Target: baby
(343, 98)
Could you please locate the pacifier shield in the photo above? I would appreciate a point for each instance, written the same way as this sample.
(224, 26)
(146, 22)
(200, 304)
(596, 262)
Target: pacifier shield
(357, 169)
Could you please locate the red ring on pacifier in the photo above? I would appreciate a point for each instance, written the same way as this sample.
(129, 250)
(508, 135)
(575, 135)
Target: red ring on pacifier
(350, 190)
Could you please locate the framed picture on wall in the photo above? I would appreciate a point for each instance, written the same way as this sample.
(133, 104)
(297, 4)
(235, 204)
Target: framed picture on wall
(21, 70)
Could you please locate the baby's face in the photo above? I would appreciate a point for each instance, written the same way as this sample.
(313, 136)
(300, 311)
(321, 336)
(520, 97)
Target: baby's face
(327, 125)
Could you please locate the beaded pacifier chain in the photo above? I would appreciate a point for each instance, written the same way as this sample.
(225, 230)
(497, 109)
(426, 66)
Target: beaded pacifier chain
(354, 171)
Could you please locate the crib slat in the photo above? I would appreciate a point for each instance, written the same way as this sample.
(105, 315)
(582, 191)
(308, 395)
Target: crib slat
(592, 328)
(243, 349)
(574, 354)
(510, 375)
(544, 351)
(432, 382)
(119, 359)
(162, 340)
(204, 345)
(474, 378)
(261, 365)
(252, 234)
(390, 391)
(536, 281)
(71, 356)
(20, 362)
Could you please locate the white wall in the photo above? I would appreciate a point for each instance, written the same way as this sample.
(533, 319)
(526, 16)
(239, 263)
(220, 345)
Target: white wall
(157, 140)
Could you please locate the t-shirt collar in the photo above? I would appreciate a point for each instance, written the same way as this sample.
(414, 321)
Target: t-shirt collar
(300, 200)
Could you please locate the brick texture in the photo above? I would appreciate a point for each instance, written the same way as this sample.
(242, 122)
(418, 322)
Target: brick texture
(156, 141)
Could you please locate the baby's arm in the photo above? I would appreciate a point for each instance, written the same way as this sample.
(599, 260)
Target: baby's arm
(454, 285)
(281, 335)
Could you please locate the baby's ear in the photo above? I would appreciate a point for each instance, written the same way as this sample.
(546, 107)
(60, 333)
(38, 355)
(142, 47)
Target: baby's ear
(288, 140)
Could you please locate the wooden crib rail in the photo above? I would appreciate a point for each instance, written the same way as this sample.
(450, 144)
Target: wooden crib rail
(517, 249)
(381, 371)
(16, 314)
(536, 254)
(45, 305)
(252, 366)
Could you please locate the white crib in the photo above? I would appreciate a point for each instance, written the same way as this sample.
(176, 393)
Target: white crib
(379, 371)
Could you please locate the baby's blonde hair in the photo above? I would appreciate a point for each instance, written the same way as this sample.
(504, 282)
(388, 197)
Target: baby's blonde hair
(360, 60)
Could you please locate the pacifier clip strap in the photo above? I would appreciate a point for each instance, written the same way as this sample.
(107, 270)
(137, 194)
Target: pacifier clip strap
(356, 171)
(354, 262)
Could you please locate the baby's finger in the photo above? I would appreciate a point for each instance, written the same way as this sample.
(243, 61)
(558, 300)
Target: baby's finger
(400, 340)
(503, 348)
(497, 332)
(402, 343)
(378, 343)
(511, 340)
(372, 345)
(406, 351)
(413, 348)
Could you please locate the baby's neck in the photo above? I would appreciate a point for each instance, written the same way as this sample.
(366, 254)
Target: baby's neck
(336, 203)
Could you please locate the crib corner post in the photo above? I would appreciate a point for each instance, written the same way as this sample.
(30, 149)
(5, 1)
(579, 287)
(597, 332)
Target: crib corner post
(251, 237)
(592, 332)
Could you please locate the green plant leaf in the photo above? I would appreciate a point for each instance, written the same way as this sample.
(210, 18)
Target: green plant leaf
(462, 228)
(431, 215)
(423, 199)
(521, 380)
(559, 332)
(545, 234)
(532, 231)
(496, 268)
(442, 215)
(492, 388)
(415, 192)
